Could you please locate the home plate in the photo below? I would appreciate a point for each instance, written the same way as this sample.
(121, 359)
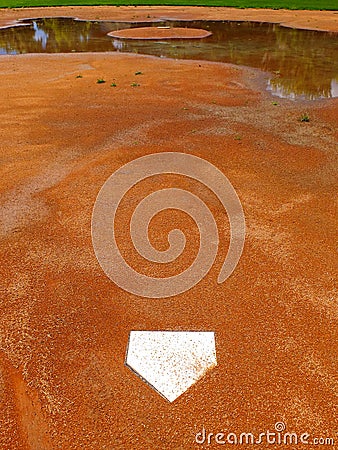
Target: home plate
(171, 361)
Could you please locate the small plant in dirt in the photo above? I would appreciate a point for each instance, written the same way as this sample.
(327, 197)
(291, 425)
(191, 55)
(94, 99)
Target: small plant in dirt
(134, 84)
(305, 117)
(113, 84)
(238, 138)
(138, 73)
(100, 81)
(79, 76)
(275, 103)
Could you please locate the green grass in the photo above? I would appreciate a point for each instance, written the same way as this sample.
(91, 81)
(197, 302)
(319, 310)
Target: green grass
(305, 118)
(276, 4)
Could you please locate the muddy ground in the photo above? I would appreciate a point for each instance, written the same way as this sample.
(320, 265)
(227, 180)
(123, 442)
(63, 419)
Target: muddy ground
(64, 325)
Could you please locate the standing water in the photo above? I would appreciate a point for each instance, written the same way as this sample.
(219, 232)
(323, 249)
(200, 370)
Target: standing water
(302, 63)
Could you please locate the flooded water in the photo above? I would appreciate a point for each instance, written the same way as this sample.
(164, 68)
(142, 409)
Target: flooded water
(302, 63)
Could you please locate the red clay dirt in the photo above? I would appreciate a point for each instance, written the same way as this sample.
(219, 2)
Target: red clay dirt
(160, 33)
(64, 325)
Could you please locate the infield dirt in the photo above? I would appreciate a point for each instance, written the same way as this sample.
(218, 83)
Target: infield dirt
(64, 325)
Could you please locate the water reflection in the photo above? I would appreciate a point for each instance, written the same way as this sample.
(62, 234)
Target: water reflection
(334, 88)
(303, 64)
(40, 35)
(118, 45)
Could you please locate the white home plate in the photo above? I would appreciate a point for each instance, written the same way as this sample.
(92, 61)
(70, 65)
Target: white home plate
(171, 361)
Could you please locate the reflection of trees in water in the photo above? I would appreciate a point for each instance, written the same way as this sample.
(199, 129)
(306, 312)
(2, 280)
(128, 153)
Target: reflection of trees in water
(13, 40)
(303, 61)
(306, 62)
(59, 37)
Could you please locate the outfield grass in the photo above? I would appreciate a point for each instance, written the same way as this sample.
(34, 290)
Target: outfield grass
(275, 4)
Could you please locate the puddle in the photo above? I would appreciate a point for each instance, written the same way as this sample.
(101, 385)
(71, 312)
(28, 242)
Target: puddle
(303, 64)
